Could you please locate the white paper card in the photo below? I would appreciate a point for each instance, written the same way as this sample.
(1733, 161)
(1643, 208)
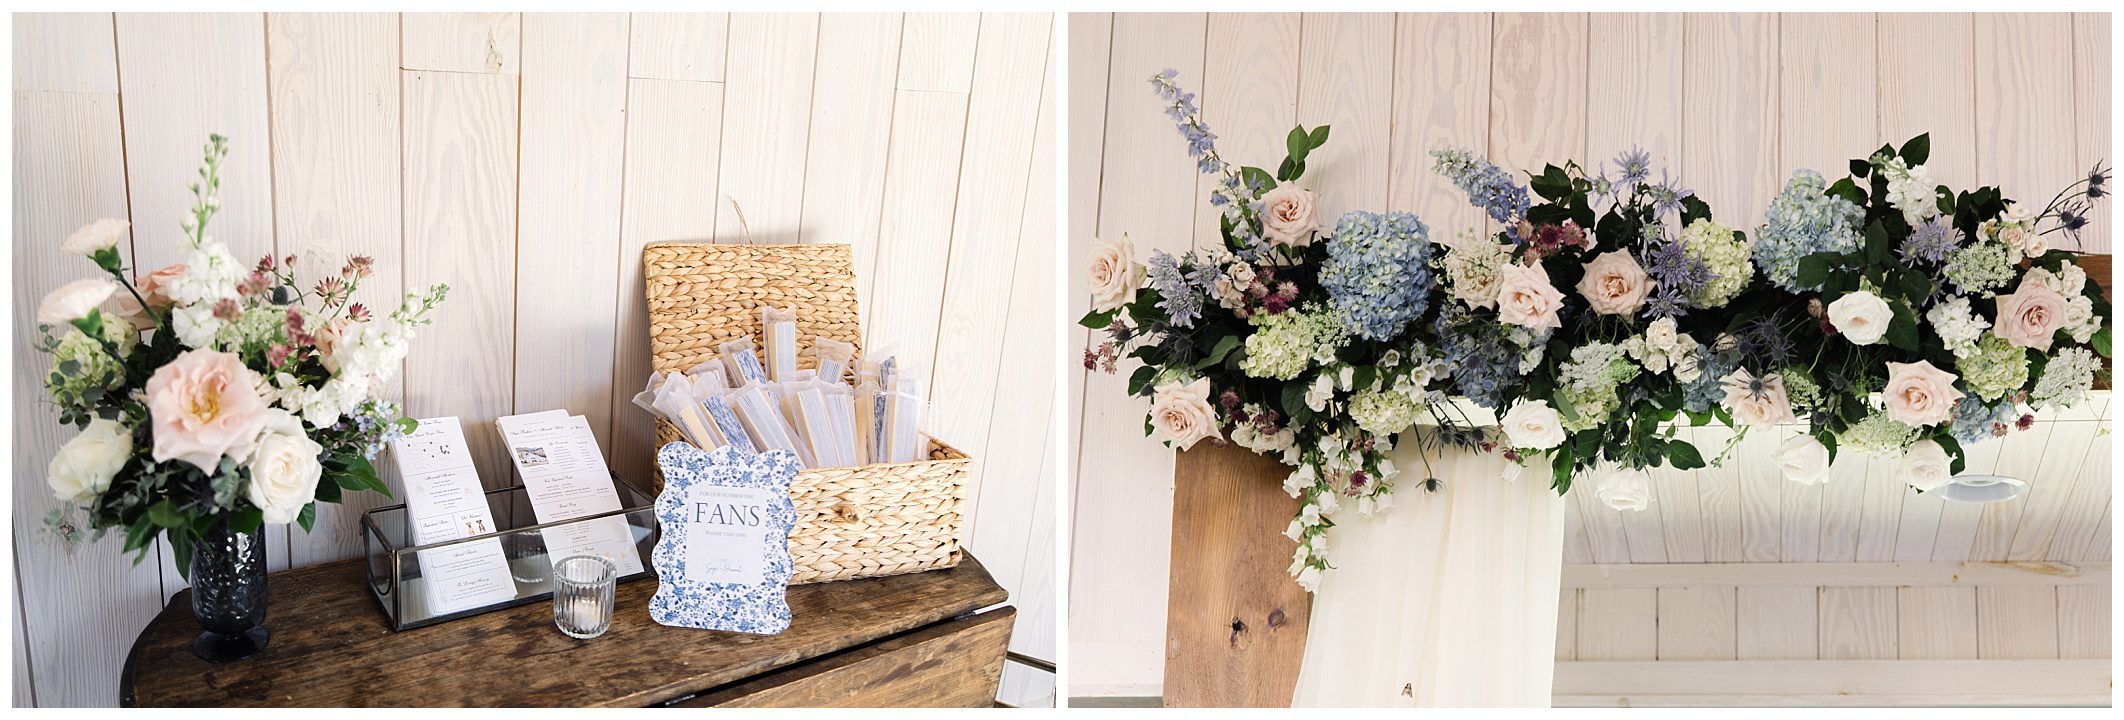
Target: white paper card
(565, 476)
(444, 502)
(728, 542)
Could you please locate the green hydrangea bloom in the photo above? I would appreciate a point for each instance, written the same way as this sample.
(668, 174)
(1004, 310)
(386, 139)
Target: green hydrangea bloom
(1713, 244)
(1286, 343)
(1384, 412)
(1995, 368)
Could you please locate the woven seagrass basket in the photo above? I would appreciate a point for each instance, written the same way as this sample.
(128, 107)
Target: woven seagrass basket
(852, 522)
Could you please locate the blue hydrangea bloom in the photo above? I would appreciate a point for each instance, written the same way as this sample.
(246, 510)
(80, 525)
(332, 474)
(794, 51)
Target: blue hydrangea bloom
(1804, 221)
(1973, 420)
(1378, 272)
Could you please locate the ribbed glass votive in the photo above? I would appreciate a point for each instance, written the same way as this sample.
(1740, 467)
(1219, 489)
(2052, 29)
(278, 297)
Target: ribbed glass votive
(582, 595)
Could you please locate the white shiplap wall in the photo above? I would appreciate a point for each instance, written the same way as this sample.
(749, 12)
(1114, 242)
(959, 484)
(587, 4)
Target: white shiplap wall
(1731, 102)
(525, 160)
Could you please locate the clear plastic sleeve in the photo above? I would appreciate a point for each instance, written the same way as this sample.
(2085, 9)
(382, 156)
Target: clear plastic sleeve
(834, 358)
(778, 331)
(743, 363)
(903, 422)
(759, 410)
(712, 373)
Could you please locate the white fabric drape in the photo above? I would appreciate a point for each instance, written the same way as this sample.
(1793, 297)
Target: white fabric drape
(1446, 600)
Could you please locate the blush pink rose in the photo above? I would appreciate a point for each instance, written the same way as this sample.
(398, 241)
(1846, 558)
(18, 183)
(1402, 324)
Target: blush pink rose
(1919, 394)
(154, 287)
(1181, 414)
(2030, 316)
(1615, 284)
(204, 405)
(1288, 215)
(1757, 402)
(1525, 297)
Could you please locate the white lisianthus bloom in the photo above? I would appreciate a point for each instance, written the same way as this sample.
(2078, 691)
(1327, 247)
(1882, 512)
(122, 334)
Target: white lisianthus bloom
(85, 465)
(1804, 460)
(95, 237)
(1861, 316)
(1927, 467)
(284, 469)
(1624, 488)
(74, 300)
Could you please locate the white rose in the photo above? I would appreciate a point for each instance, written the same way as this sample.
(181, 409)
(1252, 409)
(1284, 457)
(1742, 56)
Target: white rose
(1861, 316)
(284, 468)
(74, 301)
(1533, 425)
(1804, 459)
(1287, 215)
(95, 237)
(85, 465)
(1624, 489)
(1182, 415)
(1111, 274)
(1927, 467)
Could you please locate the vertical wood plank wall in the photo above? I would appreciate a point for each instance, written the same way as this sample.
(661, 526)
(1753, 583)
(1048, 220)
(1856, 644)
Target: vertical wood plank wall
(525, 160)
(1732, 102)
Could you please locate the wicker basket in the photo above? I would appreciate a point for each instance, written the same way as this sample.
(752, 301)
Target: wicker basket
(852, 522)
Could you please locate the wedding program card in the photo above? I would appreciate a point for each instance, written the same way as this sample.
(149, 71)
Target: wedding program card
(444, 502)
(565, 476)
(723, 562)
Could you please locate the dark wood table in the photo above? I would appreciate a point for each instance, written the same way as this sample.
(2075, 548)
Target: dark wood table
(902, 641)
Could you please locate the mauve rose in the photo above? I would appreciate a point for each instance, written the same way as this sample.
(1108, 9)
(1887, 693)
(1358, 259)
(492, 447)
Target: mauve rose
(1614, 284)
(1525, 297)
(1182, 415)
(1919, 394)
(2030, 316)
(205, 406)
(1288, 215)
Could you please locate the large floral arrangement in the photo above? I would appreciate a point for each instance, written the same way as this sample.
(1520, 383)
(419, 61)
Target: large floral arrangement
(211, 393)
(1608, 307)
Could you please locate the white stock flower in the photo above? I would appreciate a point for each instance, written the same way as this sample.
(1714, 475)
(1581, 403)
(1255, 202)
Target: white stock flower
(210, 274)
(196, 325)
(85, 465)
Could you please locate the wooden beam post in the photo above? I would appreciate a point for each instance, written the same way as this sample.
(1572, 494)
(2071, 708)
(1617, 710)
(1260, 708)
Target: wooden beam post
(1235, 620)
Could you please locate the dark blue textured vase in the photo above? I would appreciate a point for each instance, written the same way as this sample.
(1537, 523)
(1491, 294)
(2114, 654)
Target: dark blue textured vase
(229, 595)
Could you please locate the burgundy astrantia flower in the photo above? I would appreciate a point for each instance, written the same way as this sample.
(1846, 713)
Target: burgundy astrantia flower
(227, 310)
(2026, 422)
(358, 312)
(278, 354)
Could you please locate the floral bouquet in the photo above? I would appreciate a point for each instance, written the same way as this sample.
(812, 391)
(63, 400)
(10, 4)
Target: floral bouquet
(1592, 320)
(214, 397)
(1936, 317)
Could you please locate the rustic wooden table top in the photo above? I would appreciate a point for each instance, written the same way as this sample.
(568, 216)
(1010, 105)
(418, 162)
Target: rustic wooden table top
(331, 646)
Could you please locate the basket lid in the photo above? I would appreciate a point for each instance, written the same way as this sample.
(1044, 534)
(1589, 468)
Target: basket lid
(701, 294)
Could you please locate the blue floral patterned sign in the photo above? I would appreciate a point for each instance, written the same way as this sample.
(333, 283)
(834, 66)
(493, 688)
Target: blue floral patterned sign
(723, 563)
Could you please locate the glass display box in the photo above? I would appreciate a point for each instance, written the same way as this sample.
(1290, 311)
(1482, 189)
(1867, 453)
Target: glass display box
(394, 567)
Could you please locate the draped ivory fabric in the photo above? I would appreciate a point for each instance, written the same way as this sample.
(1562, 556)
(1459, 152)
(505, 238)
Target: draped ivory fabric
(1448, 599)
